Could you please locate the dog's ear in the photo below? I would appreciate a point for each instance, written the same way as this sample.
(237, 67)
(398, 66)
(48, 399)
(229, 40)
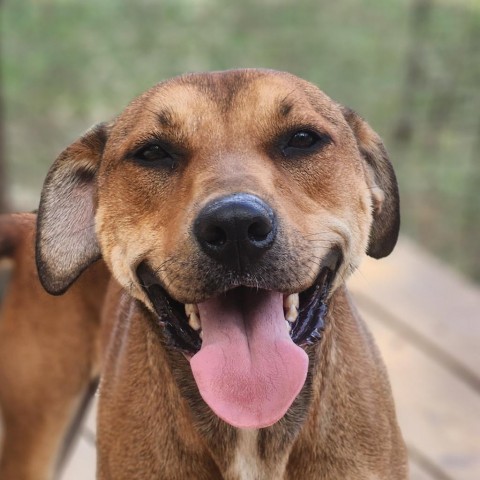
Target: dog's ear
(383, 186)
(66, 242)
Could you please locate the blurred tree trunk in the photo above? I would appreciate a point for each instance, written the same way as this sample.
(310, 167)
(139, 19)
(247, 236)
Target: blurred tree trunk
(414, 78)
(3, 200)
(471, 214)
(460, 69)
(3, 173)
(472, 210)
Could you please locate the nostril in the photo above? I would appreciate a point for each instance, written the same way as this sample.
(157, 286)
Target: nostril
(215, 236)
(259, 230)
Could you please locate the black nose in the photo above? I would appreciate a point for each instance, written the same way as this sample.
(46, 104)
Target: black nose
(236, 230)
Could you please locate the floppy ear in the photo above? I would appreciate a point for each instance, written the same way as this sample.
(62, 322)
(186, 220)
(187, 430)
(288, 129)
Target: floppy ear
(66, 242)
(383, 185)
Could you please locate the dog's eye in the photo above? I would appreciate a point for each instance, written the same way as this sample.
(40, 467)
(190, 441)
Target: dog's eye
(153, 152)
(306, 140)
(303, 139)
(155, 155)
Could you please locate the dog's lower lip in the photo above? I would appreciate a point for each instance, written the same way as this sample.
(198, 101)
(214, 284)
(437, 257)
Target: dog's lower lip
(170, 313)
(305, 330)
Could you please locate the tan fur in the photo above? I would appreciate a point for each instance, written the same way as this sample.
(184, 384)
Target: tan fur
(225, 128)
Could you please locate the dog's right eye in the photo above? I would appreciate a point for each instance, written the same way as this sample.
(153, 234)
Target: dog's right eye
(155, 155)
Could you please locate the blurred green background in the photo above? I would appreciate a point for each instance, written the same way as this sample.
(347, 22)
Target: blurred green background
(412, 68)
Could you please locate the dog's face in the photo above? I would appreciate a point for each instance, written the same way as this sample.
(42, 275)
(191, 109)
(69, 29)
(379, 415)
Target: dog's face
(232, 205)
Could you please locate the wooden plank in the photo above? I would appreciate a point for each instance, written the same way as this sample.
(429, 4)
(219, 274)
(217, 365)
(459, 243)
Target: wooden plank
(82, 464)
(90, 424)
(438, 413)
(429, 300)
(417, 473)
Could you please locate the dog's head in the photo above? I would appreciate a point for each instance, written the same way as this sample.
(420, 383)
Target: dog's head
(232, 205)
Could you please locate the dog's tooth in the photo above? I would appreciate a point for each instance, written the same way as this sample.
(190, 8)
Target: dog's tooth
(292, 314)
(291, 304)
(289, 327)
(194, 321)
(191, 308)
(291, 300)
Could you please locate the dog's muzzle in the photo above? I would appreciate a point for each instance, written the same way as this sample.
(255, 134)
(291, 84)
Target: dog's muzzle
(244, 343)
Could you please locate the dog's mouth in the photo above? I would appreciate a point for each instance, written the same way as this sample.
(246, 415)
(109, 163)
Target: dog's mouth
(304, 312)
(245, 345)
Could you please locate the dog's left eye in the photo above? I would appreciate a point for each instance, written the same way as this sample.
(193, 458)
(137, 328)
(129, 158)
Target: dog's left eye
(154, 154)
(303, 139)
(306, 140)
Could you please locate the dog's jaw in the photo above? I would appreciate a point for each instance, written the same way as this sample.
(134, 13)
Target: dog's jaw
(248, 360)
(303, 312)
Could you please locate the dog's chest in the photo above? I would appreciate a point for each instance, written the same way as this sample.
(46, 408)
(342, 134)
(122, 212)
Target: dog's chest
(246, 462)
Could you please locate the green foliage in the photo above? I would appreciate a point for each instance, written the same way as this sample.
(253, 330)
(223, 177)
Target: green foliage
(68, 64)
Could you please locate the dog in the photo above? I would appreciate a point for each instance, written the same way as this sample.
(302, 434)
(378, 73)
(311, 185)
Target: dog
(49, 356)
(229, 208)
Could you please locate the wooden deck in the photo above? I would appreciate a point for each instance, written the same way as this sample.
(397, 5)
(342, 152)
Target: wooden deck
(426, 320)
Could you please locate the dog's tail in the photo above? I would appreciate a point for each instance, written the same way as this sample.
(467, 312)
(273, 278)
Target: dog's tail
(14, 229)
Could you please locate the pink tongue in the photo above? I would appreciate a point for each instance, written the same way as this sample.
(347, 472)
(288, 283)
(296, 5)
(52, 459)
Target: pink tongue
(248, 370)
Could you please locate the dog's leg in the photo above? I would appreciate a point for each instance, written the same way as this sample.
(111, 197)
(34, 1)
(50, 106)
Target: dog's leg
(47, 359)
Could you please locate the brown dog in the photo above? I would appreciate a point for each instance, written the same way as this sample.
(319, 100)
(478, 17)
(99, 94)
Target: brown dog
(48, 356)
(230, 208)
